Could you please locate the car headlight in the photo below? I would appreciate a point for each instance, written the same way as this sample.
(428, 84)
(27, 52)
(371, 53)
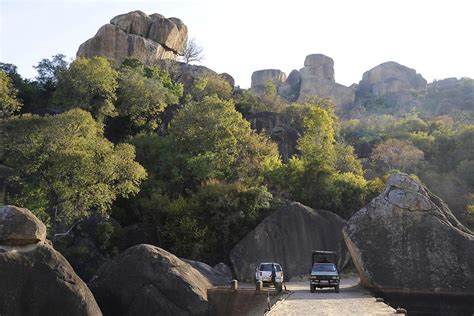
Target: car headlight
(335, 277)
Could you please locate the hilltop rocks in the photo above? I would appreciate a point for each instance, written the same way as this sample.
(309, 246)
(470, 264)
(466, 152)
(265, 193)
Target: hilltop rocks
(135, 34)
(18, 226)
(407, 240)
(391, 88)
(317, 79)
(261, 77)
(288, 236)
(390, 78)
(147, 280)
(35, 278)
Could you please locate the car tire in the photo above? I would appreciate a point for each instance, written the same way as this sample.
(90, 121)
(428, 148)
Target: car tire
(336, 289)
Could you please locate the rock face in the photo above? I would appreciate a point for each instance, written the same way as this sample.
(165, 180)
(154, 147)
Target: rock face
(391, 88)
(218, 275)
(317, 79)
(261, 77)
(390, 78)
(147, 280)
(290, 89)
(407, 240)
(35, 278)
(135, 34)
(18, 226)
(288, 236)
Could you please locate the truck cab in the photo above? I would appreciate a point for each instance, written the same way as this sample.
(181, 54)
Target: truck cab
(323, 272)
(263, 273)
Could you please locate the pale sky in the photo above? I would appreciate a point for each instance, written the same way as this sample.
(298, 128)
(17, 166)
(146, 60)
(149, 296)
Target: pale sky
(434, 37)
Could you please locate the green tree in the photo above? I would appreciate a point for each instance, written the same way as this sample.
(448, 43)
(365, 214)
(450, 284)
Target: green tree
(64, 168)
(143, 98)
(89, 84)
(211, 85)
(9, 103)
(48, 71)
(211, 140)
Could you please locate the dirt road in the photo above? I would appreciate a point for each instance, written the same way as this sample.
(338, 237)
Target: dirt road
(352, 300)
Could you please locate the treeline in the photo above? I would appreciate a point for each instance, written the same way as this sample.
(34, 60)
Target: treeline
(109, 156)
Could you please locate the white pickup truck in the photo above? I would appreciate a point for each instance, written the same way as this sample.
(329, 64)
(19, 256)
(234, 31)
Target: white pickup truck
(264, 273)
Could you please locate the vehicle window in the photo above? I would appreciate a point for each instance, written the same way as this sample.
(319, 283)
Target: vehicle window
(266, 267)
(324, 267)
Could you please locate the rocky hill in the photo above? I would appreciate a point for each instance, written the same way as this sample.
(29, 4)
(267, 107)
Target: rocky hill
(135, 34)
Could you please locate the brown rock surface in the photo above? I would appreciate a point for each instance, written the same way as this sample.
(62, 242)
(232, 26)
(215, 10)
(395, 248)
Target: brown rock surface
(35, 279)
(288, 236)
(147, 280)
(407, 240)
(135, 34)
(18, 226)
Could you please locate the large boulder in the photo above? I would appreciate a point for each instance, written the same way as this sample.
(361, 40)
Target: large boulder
(135, 34)
(260, 79)
(407, 240)
(391, 88)
(391, 78)
(18, 226)
(290, 89)
(147, 280)
(35, 278)
(218, 275)
(288, 237)
(317, 79)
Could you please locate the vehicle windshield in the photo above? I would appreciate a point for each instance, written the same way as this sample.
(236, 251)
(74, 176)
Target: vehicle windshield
(268, 267)
(326, 267)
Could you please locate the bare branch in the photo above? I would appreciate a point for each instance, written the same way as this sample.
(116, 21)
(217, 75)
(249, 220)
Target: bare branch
(193, 52)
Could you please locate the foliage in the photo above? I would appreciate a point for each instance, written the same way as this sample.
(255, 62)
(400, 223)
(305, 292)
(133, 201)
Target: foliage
(9, 103)
(211, 140)
(143, 95)
(470, 217)
(64, 168)
(207, 225)
(89, 84)
(48, 71)
(396, 154)
(212, 85)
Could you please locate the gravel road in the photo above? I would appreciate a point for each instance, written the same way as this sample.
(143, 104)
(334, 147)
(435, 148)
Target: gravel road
(351, 300)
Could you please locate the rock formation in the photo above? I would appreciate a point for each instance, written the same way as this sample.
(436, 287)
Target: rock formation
(261, 77)
(35, 278)
(147, 280)
(390, 88)
(135, 34)
(317, 79)
(407, 240)
(288, 236)
(218, 275)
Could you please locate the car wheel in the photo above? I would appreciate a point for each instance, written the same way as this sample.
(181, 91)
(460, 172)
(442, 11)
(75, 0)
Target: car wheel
(336, 288)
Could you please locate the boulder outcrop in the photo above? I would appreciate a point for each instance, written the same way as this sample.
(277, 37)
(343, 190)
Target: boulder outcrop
(407, 240)
(288, 236)
(35, 278)
(317, 79)
(261, 77)
(290, 89)
(147, 280)
(391, 88)
(135, 34)
(218, 275)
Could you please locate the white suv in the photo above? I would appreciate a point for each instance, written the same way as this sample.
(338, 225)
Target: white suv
(264, 273)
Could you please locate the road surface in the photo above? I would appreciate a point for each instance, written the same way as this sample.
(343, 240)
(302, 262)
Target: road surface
(351, 300)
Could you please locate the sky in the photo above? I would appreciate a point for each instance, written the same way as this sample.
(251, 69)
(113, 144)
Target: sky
(239, 37)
